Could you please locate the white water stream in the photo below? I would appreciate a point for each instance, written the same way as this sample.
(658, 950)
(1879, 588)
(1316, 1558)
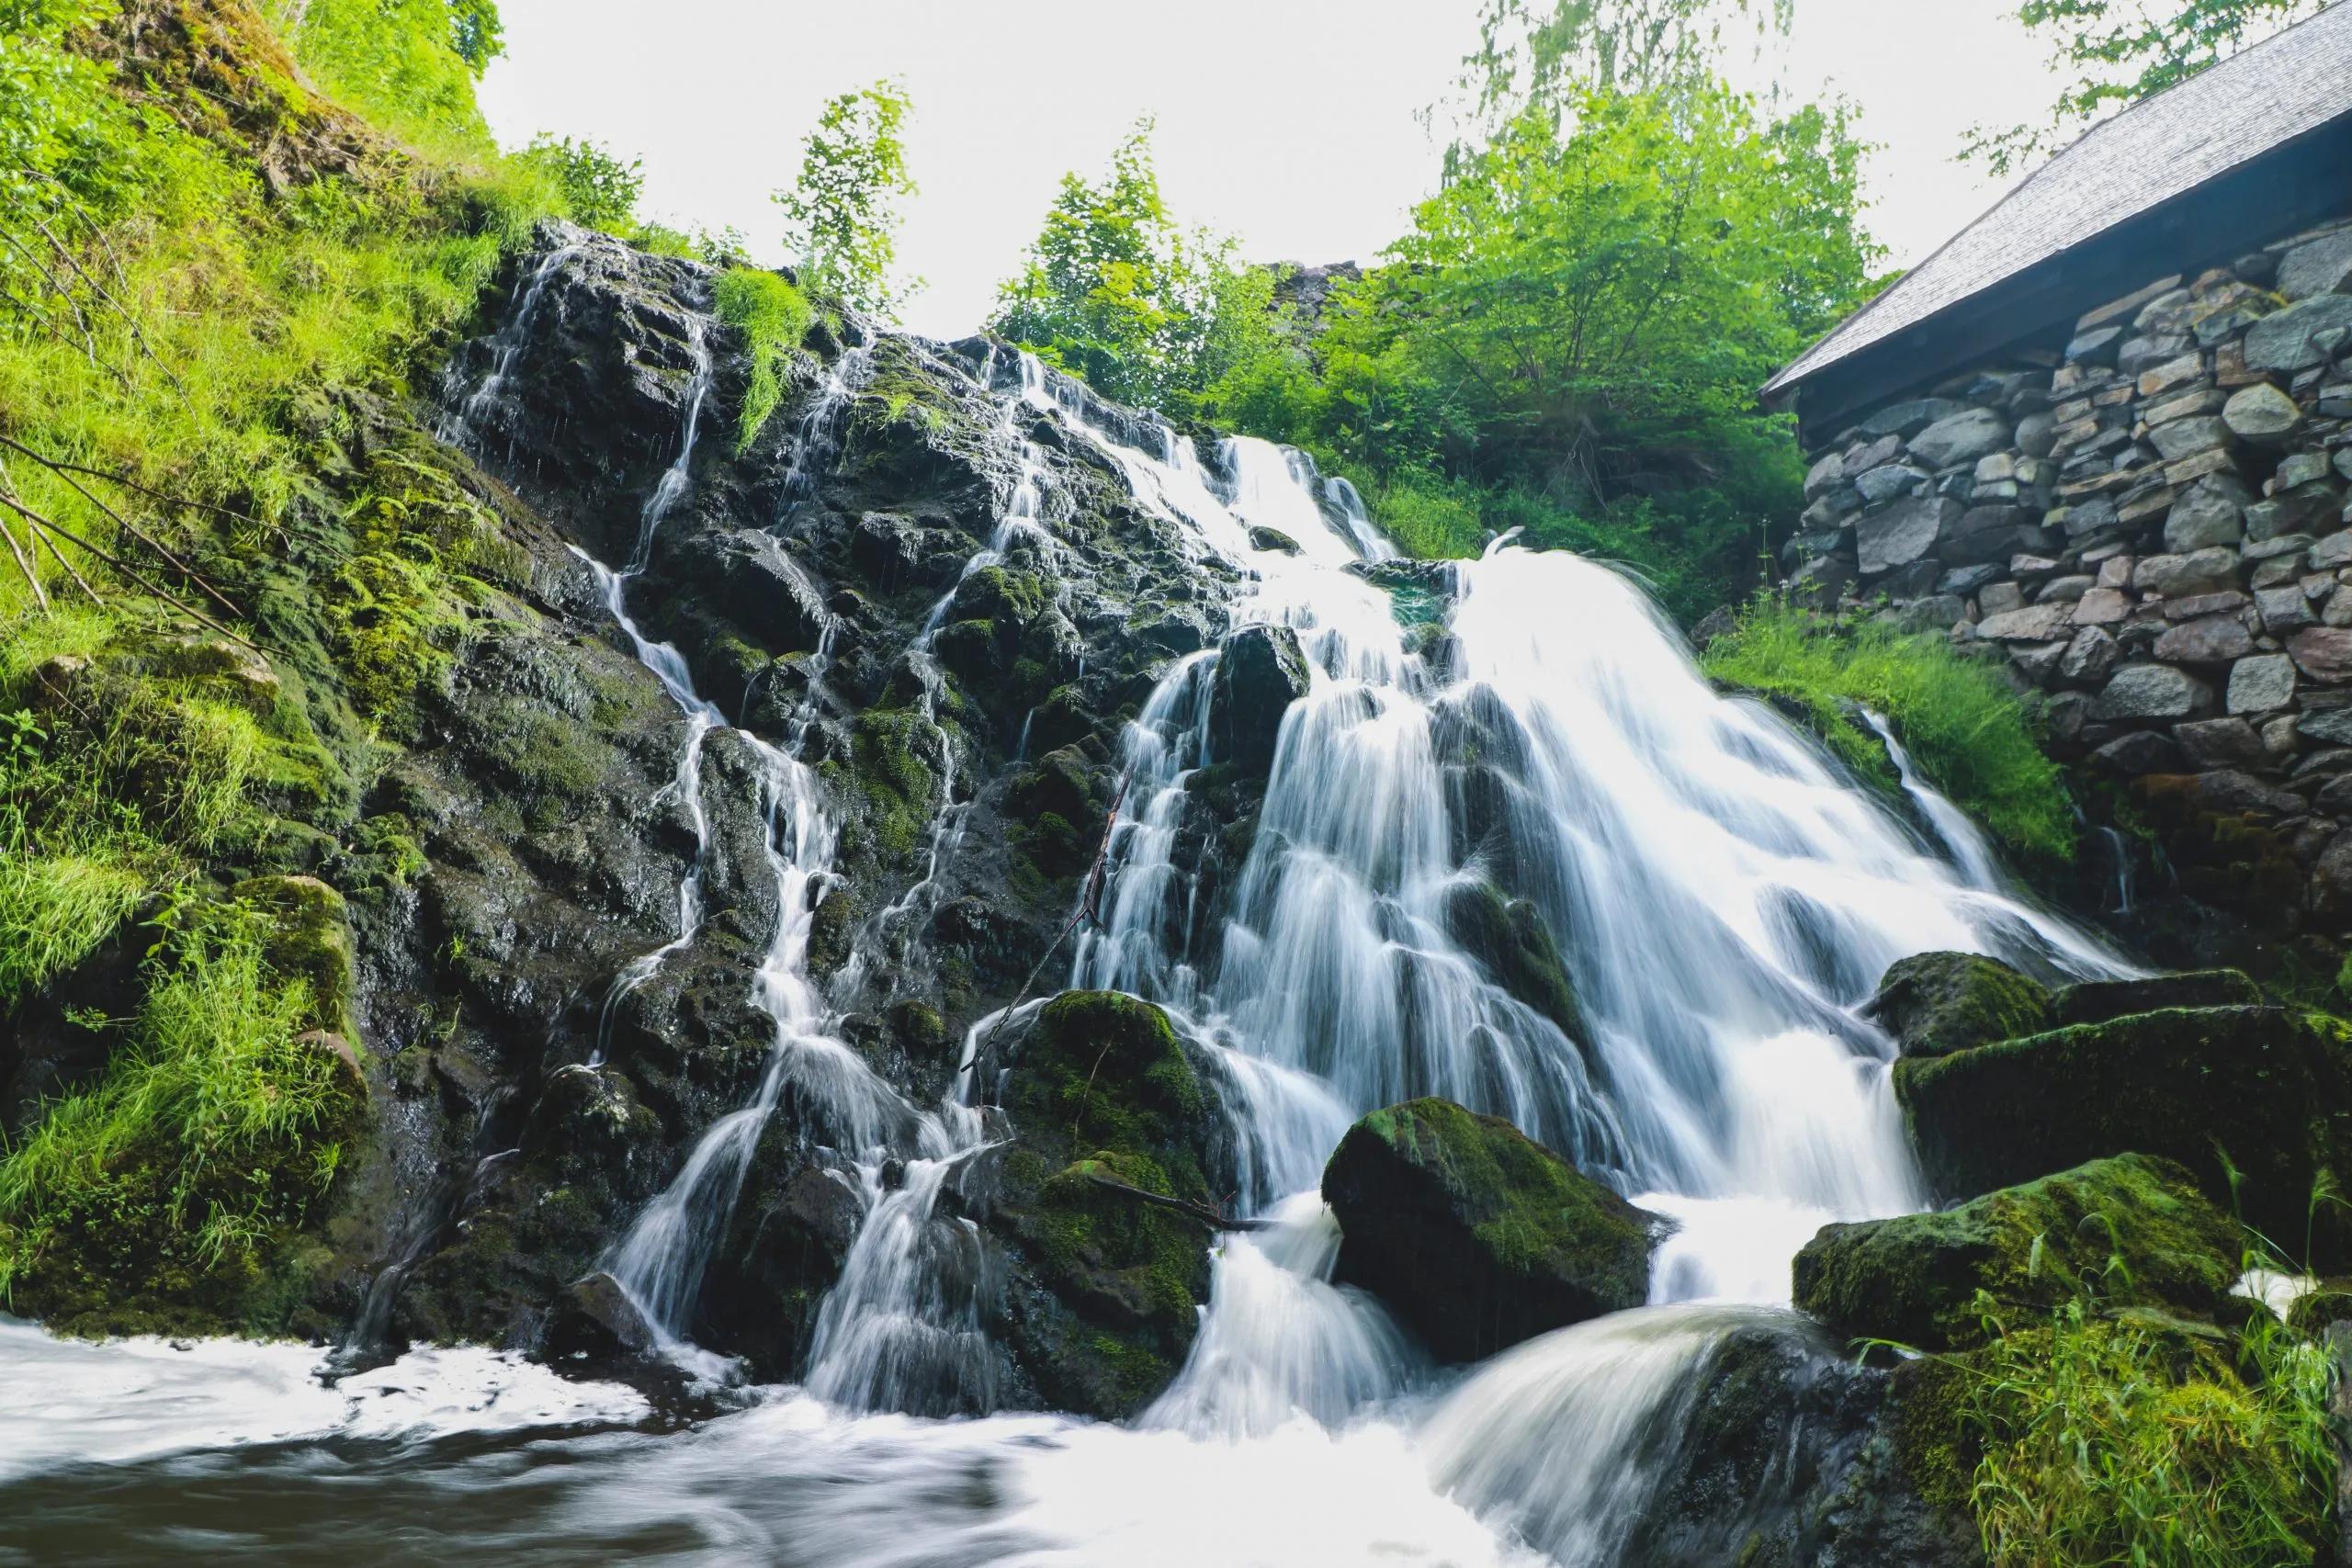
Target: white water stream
(1722, 897)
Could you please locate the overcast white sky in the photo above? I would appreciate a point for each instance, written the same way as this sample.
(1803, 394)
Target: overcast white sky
(1290, 123)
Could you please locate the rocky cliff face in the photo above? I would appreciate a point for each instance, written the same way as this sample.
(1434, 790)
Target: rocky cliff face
(844, 589)
(2148, 526)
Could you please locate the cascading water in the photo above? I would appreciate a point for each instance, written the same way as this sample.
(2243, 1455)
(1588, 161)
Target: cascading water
(1721, 897)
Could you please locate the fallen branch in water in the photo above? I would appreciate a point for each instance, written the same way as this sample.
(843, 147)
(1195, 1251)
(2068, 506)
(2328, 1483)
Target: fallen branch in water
(1199, 1213)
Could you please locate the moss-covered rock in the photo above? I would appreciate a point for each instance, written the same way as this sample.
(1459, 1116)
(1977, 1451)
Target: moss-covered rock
(308, 934)
(1935, 1003)
(2135, 1228)
(2255, 1101)
(1103, 1099)
(1475, 1234)
(2097, 1001)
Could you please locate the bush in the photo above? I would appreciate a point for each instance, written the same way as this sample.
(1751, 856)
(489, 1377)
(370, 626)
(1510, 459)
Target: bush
(214, 1122)
(598, 188)
(2107, 1440)
(774, 317)
(1969, 735)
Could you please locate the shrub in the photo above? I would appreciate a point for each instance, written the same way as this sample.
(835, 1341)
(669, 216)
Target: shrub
(1968, 732)
(598, 188)
(774, 317)
(214, 1122)
(2110, 1440)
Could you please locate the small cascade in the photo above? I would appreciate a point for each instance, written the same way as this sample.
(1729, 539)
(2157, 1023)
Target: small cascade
(901, 1330)
(1968, 849)
(816, 438)
(458, 421)
(1561, 1442)
(1279, 1340)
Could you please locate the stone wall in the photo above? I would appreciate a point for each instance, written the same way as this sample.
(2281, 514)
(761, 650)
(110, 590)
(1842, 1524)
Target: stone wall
(2146, 519)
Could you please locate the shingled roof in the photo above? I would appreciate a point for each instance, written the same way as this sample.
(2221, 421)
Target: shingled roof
(2126, 168)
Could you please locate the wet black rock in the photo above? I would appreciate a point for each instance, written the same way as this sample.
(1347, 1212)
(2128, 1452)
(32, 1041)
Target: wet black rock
(1935, 1003)
(1260, 673)
(1475, 1235)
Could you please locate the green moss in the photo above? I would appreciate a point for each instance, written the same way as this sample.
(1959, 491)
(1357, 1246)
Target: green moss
(1529, 1207)
(897, 787)
(1937, 1447)
(306, 935)
(2256, 1103)
(1509, 937)
(1106, 1071)
(2135, 1229)
(1936, 1003)
(1965, 728)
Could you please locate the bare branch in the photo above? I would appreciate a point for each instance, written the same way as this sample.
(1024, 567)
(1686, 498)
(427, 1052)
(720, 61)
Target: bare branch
(61, 471)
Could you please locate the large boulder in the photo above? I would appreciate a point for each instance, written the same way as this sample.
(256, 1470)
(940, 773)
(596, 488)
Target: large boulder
(2255, 1101)
(1476, 1235)
(1106, 1108)
(1915, 1278)
(1260, 673)
(1935, 1003)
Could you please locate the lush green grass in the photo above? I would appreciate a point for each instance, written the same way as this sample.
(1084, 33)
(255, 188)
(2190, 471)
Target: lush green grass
(1967, 731)
(210, 1127)
(2109, 1442)
(216, 293)
(55, 910)
(774, 317)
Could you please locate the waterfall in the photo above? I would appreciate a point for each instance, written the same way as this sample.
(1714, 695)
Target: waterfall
(1722, 897)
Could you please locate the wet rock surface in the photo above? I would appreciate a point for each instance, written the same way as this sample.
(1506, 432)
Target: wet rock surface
(1915, 1279)
(1477, 1235)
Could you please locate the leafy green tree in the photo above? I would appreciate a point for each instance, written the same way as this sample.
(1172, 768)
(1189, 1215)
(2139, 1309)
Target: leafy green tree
(1541, 54)
(2124, 50)
(1118, 291)
(600, 189)
(476, 32)
(1571, 337)
(842, 218)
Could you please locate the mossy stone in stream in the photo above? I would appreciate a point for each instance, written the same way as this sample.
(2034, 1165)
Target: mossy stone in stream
(2095, 1001)
(2134, 1228)
(1476, 1235)
(1935, 1003)
(2256, 1103)
(1102, 1098)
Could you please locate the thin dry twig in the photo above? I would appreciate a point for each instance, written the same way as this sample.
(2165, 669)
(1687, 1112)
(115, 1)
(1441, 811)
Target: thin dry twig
(67, 471)
(130, 572)
(31, 575)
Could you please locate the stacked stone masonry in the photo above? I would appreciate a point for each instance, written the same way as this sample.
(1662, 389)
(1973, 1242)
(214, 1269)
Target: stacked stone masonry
(2149, 519)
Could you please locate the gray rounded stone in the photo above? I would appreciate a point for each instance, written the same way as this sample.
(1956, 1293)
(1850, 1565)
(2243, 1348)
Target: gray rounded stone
(1960, 438)
(2263, 684)
(2151, 692)
(1898, 534)
(2262, 414)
